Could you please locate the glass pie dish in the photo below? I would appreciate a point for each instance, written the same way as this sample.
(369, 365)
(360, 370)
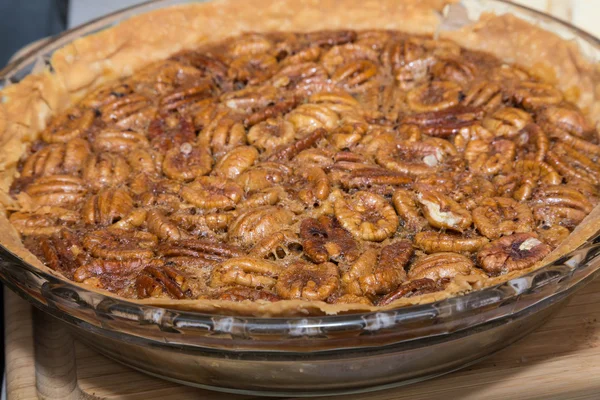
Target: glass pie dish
(313, 354)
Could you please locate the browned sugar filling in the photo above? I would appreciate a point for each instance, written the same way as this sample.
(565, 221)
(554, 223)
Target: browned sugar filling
(340, 166)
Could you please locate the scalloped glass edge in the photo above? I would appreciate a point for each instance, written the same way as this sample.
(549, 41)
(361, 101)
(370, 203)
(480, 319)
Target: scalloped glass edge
(155, 325)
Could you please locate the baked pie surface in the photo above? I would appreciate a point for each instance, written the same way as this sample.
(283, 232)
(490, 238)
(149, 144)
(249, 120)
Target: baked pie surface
(351, 169)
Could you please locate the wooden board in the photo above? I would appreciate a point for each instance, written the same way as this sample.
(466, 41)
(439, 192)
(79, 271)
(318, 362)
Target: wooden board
(561, 360)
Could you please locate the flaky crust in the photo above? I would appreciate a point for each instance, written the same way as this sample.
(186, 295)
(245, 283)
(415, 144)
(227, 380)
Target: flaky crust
(26, 107)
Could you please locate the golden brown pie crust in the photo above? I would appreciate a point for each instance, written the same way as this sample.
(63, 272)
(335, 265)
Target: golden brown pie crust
(26, 107)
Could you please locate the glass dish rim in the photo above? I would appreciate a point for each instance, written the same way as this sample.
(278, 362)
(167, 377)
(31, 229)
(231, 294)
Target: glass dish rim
(7, 76)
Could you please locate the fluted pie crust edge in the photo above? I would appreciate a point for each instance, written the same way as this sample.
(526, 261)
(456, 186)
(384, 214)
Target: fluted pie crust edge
(26, 107)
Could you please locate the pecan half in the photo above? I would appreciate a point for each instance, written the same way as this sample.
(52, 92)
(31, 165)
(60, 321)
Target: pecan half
(510, 253)
(112, 275)
(328, 38)
(197, 252)
(308, 281)
(237, 161)
(210, 66)
(454, 68)
(266, 114)
(310, 117)
(107, 93)
(265, 197)
(277, 246)
(107, 207)
(117, 244)
(507, 121)
(324, 239)
(252, 69)
(311, 185)
(45, 220)
(105, 170)
(408, 61)
(203, 225)
(166, 133)
(500, 216)
(560, 120)
(434, 96)
(254, 225)
(446, 122)
(376, 179)
(119, 141)
(434, 242)
(354, 76)
(574, 164)
(187, 162)
(162, 227)
(530, 174)
(56, 159)
(212, 193)
(533, 95)
(154, 281)
(222, 134)
(61, 251)
(366, 216)
(287, 152)
(131, 111)
(263, 176)
(415, 158)
(253, 43)
(438, 266)
(490, 158)
(272, 133)
(558, 204)
(70, 125)
(407, 208)
(303, 78)
(532, 143)
(246, 271)
(56, 190)
(243, 293)
(346, 136)
(145, 161)
(347, 53)
(376, 273)
(187, 97)
(484, 94)
(411, 288)
(443, 212)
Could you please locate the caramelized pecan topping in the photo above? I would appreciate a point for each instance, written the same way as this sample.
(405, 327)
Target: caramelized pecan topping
(510, 253)
(444, 265)
(378, 272)
(412, 288)
(242, 293)
(308, 281)
(336, 166)
(153, 281)
(324, 239)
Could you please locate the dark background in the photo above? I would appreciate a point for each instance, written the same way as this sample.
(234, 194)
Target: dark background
(23, 22)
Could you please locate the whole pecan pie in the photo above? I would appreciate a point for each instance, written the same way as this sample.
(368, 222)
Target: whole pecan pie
(357, 168)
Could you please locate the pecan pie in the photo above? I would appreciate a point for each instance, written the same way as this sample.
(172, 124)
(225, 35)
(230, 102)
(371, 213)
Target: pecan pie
(347, 167)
